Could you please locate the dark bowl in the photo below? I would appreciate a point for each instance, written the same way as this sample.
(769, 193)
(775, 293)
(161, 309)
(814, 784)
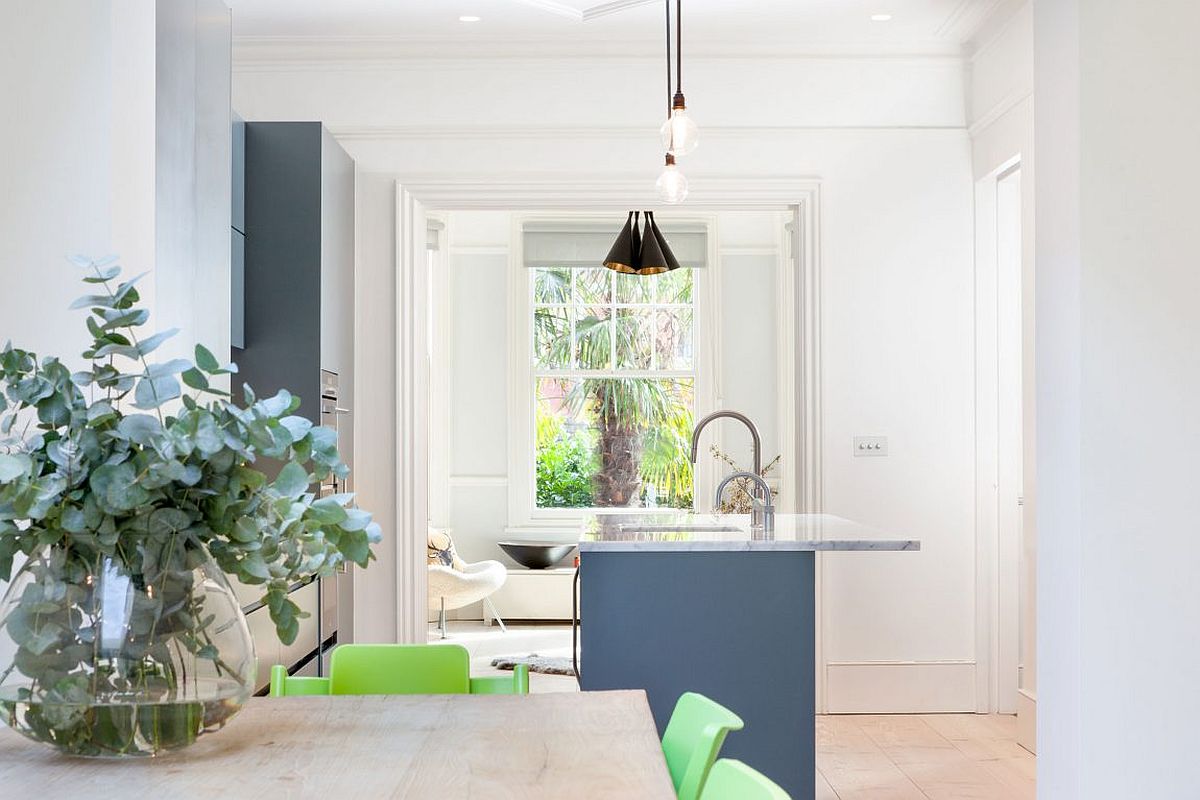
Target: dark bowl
(537, 555)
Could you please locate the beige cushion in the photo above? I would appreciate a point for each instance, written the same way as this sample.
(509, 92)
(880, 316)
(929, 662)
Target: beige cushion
(441, 550)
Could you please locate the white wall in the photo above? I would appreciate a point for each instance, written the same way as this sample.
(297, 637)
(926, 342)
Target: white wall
(90, 166)
(1001, 106)
(1119, 373)
(887, 139)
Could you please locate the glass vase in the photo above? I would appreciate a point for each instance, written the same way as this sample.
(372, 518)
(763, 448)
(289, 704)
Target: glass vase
(132, 648)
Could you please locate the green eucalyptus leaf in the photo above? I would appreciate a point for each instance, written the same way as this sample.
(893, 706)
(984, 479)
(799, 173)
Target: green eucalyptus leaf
(254, 566)
(13, 466)
(93, 300)
(356, 520)
(356, 547)
(327, 511)
(120, 318)
(117, 488)
(298, 427)
(292, 481)
(172, 367)
(150, 343)
(153, 392)
(115, 349)
(275, 406)
(143, 429)
(195, 379)
(205, 360)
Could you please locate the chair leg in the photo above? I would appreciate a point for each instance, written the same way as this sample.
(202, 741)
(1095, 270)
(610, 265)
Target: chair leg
(442, 618)
(496, 615)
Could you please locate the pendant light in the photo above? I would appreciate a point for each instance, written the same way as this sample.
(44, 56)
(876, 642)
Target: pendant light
(679, 133)
(625, 254)
(645, 253)
(656, 253)
(671, 185)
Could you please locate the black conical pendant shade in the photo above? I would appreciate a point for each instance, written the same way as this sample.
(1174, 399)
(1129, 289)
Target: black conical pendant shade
(654, 260)
(652, 232)
(625, 255)
(641, 254)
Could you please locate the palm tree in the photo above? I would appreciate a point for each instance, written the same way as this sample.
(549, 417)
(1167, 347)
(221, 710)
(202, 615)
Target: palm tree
(635, 417)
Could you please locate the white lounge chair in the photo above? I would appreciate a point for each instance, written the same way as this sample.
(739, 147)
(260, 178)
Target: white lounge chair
(452, 588)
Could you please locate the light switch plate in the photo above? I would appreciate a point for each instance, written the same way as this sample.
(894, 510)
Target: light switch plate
(870, 446)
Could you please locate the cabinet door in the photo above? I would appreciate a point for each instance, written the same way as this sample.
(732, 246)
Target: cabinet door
(267, 647)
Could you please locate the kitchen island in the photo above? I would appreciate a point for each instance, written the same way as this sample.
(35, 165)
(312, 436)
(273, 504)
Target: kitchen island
(704, 603)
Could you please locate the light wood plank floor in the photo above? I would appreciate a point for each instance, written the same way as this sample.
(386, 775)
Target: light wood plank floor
(892, 757)
(922, 757)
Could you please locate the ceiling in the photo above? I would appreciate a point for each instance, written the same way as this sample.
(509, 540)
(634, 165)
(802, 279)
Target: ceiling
(596, 25)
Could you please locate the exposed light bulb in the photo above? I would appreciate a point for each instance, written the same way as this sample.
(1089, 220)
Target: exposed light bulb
(672, 186)
(679, 133)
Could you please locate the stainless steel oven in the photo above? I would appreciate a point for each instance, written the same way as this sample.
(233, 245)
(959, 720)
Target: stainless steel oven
(329, 590)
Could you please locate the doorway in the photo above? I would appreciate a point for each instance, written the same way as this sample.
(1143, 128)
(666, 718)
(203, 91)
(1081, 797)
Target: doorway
(1004, 445)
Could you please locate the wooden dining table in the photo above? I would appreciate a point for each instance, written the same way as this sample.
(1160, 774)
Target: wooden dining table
(443, 747)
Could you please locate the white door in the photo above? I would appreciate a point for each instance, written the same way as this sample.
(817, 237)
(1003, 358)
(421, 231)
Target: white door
(1010, 435)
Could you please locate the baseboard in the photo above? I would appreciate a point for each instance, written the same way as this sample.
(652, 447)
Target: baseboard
(1027, 720)
(899, 687)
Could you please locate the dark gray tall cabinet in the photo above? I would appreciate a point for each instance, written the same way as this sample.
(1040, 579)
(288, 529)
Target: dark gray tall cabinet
(298, 327)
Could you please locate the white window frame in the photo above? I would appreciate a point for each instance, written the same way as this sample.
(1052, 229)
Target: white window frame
(523, 512)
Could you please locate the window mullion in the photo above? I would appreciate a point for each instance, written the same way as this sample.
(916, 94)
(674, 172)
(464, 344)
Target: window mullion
(571, 316)
(612, 314)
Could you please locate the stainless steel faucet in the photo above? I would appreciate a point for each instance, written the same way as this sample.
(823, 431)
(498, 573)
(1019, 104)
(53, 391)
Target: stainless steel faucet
(758, 513)
(762, 514)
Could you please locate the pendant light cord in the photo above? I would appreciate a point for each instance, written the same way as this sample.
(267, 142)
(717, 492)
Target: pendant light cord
(667, 3)
(678, 45)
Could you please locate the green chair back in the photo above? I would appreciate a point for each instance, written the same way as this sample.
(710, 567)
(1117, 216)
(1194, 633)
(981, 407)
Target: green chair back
(284, 685)
(730, 779)
(398, 669)
(693, 738)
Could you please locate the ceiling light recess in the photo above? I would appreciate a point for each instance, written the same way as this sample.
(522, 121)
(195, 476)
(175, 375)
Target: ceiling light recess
(881, 17)
(469, 18)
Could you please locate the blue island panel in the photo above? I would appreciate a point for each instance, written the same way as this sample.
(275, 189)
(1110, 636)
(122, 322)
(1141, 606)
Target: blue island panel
(735, 626)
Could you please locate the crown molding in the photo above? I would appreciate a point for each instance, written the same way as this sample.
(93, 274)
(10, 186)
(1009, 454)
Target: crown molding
(587, 14)
(992, 29)
(603, 192)
(998, 111)
(398, 133)
(299, 53)
(967, 18)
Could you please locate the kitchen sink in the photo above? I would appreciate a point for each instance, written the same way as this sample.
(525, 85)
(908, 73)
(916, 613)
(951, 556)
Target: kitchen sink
(676, 528)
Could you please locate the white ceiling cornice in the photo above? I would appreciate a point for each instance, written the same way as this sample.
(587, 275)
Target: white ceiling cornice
(604, 192)
(392, 133)
(586, 14)
(965, 20)
(254, 53)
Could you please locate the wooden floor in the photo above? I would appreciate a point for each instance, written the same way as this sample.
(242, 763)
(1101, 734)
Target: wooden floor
(934, 756)
(893, 757)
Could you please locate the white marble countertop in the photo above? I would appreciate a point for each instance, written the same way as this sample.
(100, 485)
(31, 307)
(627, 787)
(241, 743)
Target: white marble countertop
(681, 532)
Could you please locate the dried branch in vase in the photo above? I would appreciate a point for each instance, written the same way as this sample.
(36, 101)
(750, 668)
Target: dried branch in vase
(737, 499)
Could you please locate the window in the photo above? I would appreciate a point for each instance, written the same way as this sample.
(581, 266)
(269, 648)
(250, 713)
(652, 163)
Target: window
(614, 385)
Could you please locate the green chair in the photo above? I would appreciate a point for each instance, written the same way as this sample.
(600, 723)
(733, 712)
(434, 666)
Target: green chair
(399, 669)
(693, 738)
(730, 779)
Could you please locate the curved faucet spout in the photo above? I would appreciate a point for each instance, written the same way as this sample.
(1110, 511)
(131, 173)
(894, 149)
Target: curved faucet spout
(762, 511)
(758, 479)
(740, 417)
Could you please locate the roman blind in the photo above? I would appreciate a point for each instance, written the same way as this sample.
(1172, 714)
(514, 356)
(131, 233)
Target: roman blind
(578, 245)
